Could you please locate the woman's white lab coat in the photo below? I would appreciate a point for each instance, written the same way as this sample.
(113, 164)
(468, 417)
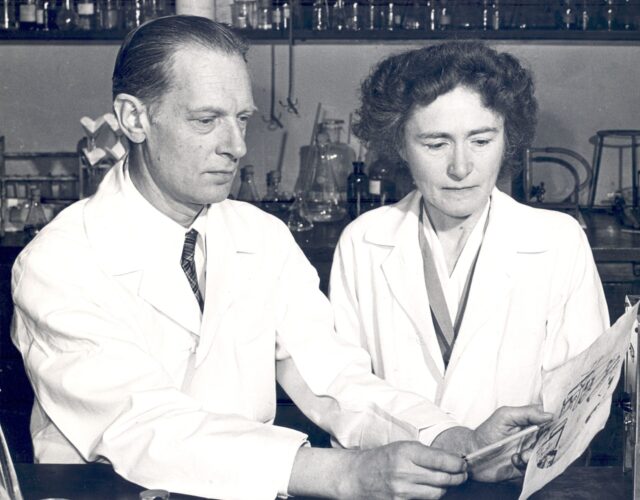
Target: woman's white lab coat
(535, 301)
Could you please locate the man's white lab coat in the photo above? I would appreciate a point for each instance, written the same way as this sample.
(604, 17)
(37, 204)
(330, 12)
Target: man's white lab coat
(123, 371)
(535, 301)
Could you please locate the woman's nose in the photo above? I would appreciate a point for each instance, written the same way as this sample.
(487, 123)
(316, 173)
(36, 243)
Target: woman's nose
(460, 164)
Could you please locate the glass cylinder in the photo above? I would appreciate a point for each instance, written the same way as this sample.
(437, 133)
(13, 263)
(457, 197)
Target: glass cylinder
(353, 16)
(338, 18)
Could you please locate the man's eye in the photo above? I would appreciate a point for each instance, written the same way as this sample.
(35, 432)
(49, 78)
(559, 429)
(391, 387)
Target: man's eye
(205, 121)
(481, 142)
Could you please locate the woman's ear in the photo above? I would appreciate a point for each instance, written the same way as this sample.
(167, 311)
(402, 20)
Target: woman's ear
(132, 117)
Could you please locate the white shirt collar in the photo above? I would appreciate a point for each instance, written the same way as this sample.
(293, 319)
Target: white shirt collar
(453, 286)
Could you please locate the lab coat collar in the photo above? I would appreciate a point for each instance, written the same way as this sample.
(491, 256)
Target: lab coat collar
(129, 241)
(504, 239)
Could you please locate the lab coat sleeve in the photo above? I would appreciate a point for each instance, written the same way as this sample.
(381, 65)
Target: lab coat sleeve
(581, 315)
(330, 378)
(99, 383)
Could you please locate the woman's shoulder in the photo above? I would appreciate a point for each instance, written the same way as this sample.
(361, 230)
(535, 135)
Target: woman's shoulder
(381, 224)
(541, 223)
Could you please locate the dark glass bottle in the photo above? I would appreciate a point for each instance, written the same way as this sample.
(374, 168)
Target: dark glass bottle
(357, 190)
(382, 189)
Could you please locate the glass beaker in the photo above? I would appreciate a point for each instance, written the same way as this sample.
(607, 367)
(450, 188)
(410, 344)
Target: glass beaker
(321, 194)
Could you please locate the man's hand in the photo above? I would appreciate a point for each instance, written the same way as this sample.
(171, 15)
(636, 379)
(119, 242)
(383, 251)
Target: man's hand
(504, 422)
(398, 470)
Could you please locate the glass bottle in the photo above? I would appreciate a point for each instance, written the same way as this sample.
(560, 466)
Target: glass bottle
(263, 21)
(109, 15)
(86, 14)
(321, 192)
(372, 15)
(609, 15)
(353, 16)
(275, 201)
(40, 17)
(248, 190)
(36, 218)
(495, 15)
(568, 15)
(67, 19)
(431, 15)
(381, 186)
(27, 15)
(486, 15)
(276, 17)
(412, 16)
(444, 16)
(584, 16)
(7, 20)
(389, 17)
(338, 19)
(133, 14)
(320, 15)
(357, 190)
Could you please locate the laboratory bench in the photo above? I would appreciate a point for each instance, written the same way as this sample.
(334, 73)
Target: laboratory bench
(100, 482)
(616, 251)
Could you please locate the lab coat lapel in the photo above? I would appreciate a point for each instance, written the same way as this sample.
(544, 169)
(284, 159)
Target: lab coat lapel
(493, 278)
(124, 246)
(404, 274)
(167, 289)
(231, 263)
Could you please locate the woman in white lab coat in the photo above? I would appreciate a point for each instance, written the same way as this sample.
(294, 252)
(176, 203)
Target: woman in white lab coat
(458, 292)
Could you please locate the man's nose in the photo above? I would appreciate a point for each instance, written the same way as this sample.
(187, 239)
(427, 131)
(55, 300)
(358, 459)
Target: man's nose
(231, 140)
(460, 164)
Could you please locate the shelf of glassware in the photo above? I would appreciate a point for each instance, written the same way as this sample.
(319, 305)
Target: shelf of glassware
(361, 36)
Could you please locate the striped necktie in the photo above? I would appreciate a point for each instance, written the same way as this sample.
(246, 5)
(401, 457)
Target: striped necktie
(188, 264)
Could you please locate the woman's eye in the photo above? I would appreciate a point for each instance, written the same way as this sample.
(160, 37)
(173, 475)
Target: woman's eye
(436, 146)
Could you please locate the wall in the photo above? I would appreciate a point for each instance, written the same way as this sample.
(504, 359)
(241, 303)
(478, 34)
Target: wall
(46, 88)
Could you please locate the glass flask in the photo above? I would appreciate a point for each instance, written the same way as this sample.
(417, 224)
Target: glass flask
(67, 18)
(321, 193)
(298, 220)
(248, 190)
(36, 217)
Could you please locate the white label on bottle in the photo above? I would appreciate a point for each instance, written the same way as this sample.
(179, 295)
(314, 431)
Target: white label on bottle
(86, 9)
(202, 8)
(39, 16)
(28, 13)
(374, 186)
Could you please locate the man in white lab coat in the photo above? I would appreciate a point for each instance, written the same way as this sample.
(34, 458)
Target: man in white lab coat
(154, 317)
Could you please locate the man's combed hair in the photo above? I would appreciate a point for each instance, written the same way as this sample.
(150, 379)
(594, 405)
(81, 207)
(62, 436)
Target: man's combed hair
(145, 58)
(416, 78)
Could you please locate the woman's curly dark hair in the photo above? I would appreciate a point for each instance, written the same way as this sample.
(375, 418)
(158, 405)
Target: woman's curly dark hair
(417, 77)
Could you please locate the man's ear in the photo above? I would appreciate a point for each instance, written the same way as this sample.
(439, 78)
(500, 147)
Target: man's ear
(132, 117)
